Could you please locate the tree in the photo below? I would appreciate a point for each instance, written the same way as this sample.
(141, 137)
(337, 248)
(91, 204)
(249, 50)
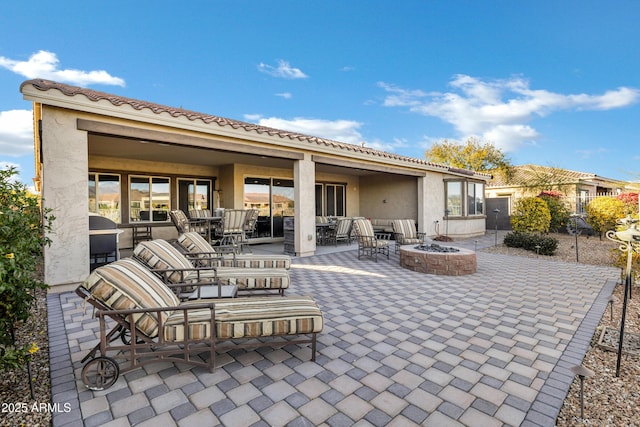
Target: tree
(473, 155)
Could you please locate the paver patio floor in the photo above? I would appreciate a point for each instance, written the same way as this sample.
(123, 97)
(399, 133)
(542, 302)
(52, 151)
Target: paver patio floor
(398, 348)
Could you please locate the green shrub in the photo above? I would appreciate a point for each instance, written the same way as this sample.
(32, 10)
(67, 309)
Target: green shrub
(602, 213)
(531, 215)
(22, 238)
(558, 210)
(543, 245)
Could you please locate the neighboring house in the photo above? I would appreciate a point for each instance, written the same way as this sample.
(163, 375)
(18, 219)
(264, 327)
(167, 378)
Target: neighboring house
(577, 189)
(133, 161)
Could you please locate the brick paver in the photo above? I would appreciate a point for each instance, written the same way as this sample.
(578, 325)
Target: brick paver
(398, 348)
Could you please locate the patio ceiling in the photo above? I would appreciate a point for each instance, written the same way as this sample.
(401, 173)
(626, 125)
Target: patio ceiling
(136, 149)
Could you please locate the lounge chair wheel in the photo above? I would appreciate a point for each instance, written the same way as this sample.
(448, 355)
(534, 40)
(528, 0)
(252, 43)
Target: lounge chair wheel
(100, 373)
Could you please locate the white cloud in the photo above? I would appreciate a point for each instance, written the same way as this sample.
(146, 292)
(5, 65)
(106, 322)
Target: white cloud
(16, 133)
(282, 70)
(500, 110)
(346, 131)
(285, 95)
(45, 65)
(337, 130)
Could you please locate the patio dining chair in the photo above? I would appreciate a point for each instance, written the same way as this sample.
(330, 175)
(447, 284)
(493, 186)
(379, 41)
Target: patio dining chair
(342, 231)
(233, 228)
(405, 233)
(184, 224)
(369, 243)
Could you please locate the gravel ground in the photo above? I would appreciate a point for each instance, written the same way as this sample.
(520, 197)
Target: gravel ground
(609, 400)
(18, 407)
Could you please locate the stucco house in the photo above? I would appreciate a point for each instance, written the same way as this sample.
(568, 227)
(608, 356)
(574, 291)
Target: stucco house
(577, 188)
(133, 161)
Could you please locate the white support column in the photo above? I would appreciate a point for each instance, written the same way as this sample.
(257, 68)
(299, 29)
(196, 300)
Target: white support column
(304, 176)
(65, 191)
(422, 219)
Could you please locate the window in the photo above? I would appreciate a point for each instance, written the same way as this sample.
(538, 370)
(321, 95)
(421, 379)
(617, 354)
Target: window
(330, 200)
(104, 195)
(194, 194)
(149, 199)
(464, 198)
(475, 197)
(454, 199)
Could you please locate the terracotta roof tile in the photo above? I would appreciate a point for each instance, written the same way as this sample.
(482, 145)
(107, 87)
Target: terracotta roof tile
(93, 95)
(526, 174)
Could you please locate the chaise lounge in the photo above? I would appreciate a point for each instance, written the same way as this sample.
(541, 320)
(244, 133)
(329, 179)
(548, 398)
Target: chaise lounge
(155, 326)
(174, 267)
(199, 250)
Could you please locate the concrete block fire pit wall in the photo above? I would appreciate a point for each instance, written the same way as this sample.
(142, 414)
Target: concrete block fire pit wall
(457, 263)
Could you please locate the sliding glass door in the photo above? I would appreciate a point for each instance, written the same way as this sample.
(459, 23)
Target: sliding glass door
(274, 200)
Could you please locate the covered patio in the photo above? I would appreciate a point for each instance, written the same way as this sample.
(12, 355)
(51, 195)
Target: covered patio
(134, 161)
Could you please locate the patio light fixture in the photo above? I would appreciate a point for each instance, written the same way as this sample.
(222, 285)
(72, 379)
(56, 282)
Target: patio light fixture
(629, 241)
(496, 211)
(582, 372)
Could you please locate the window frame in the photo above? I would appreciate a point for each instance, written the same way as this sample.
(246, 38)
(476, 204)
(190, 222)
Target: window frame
(464, 209)
(117, 218)
(152, 216)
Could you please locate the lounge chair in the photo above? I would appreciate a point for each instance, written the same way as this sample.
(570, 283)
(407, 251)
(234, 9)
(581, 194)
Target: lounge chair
(174, 268)
(369, 243)
(405, 233)
(156, 327)
(203, 254)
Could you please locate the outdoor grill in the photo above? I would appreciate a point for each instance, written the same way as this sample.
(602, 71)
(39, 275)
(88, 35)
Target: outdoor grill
(103, 241)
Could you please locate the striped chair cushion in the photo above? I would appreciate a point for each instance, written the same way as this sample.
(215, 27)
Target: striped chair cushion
(247, 279)
(406, 227)
(180, 220)
(363, 227)
(125, 284)
(194, 243)
(159, 255)
(233, 220)
(199, 213)
(258, 261)
(249, 318)
(252, 279)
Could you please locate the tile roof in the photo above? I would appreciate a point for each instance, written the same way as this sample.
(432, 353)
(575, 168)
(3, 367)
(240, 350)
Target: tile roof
(93, 95)
(526, 174)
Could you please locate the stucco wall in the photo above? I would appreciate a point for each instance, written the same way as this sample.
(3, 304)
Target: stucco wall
(65, 190)
(389, 196)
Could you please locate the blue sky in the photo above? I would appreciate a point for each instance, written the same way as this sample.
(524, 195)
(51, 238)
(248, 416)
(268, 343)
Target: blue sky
(555, 83)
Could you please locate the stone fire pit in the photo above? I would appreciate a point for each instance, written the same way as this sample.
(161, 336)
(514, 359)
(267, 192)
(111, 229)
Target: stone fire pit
(436, 259)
